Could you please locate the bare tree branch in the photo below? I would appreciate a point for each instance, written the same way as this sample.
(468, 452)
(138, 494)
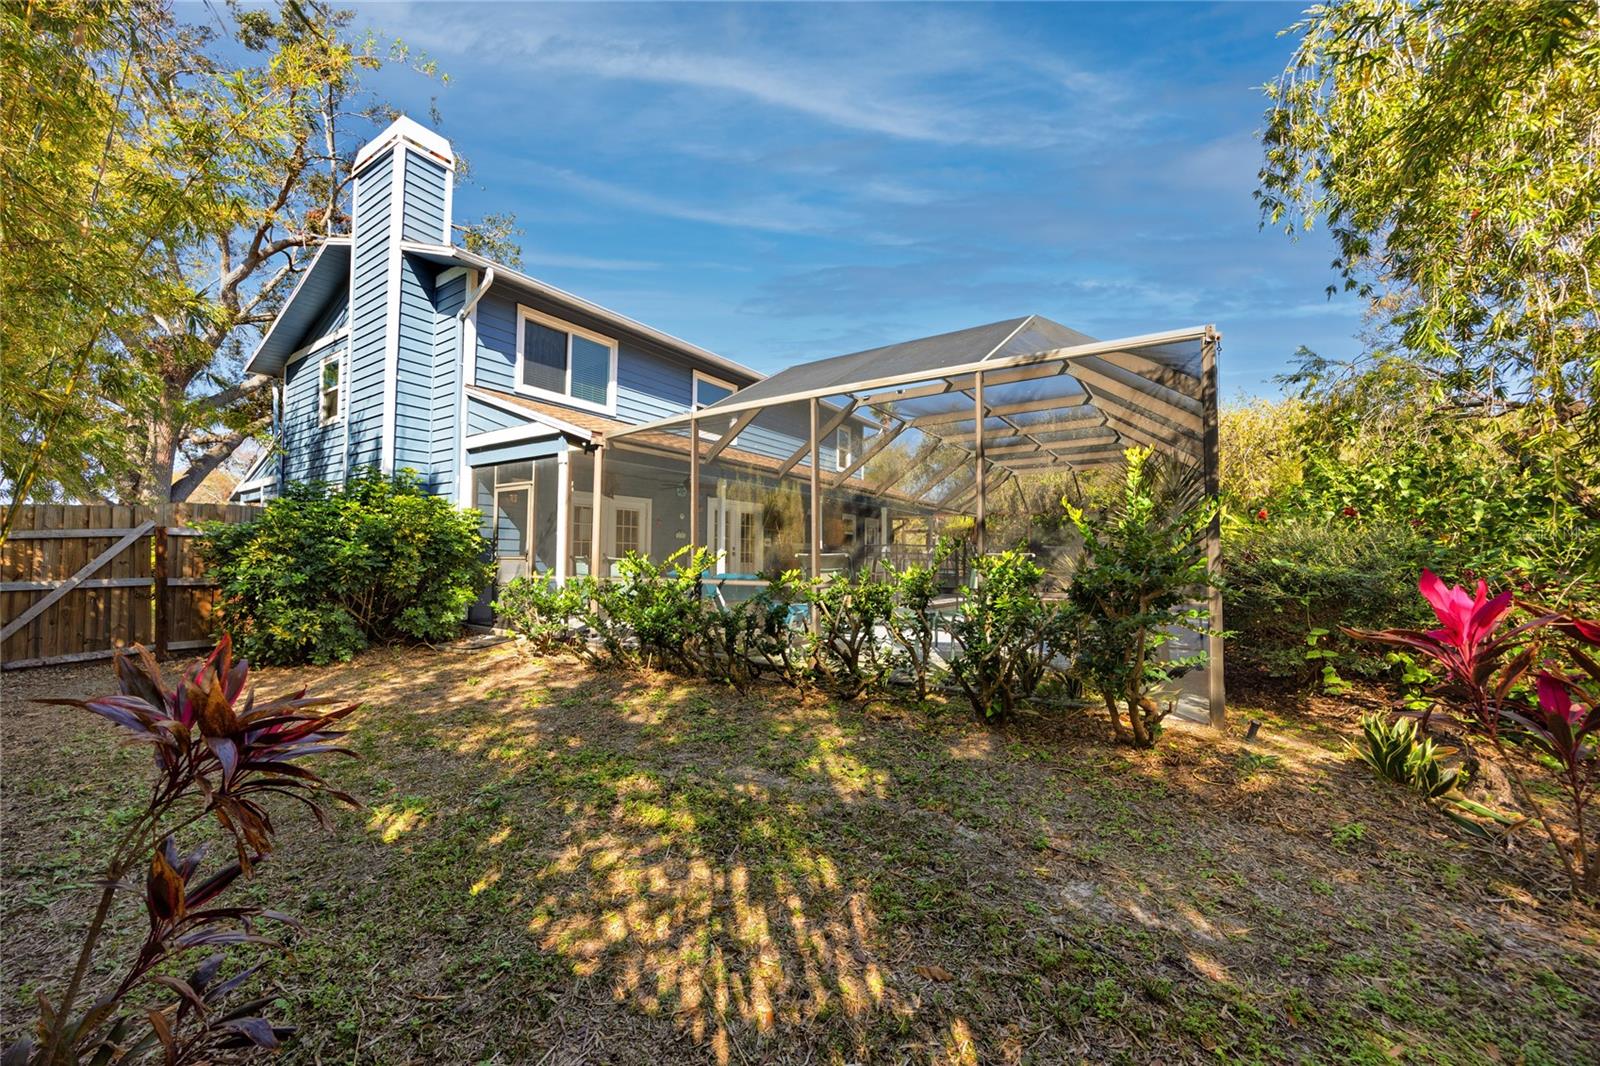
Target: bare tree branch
(211, 458)
(225, 398)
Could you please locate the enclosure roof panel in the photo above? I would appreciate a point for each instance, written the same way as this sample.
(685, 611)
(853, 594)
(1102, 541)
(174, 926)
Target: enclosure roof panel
(1043, 386)
(1013, 336)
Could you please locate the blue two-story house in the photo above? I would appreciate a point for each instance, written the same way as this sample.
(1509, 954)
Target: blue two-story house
(400, 350)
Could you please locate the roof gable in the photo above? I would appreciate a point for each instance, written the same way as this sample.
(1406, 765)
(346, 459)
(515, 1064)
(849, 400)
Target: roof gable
(325, 281)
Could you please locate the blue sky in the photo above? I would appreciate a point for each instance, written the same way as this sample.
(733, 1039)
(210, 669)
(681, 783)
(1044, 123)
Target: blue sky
(786, 182)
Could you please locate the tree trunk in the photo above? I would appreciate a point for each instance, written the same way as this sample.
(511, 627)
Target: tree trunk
(163, 439)
(1117, 728)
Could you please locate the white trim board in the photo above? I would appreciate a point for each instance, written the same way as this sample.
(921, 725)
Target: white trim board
(511, 435)
(327, 338)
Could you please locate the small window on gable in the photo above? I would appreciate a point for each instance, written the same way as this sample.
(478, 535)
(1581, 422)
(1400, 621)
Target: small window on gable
(843, 450)
(708, 390)
(329, 390)
(565, 363)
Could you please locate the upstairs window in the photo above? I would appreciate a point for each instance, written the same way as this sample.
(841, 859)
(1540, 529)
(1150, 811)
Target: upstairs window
(565, 363)
(708, 390)
(844, 452)
(328, 391)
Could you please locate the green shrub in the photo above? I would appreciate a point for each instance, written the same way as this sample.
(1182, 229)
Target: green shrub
(660, 605)
(847, 651)
(1143, 567)
(913, 623)
(1288, 580)
(757, 637)
(542, 612)
(321, 572)
(1005, 633)
(1397, 751)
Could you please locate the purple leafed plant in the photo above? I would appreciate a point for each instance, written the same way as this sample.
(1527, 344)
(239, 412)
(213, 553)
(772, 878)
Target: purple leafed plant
(219, 753)
(1485, 669)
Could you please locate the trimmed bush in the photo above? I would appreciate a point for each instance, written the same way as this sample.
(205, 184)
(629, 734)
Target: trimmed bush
(542, 612)
(848, 653)
(321, 573)
(1143, 569)
(1005, 634)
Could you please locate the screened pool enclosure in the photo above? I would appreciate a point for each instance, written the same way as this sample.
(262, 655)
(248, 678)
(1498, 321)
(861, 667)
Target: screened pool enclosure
(864, 459)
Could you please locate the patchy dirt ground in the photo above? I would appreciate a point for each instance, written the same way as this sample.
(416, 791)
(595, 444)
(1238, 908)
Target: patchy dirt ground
(558, 866)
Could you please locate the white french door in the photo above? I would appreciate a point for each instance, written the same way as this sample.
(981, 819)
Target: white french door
(733, 534)
(625, 525)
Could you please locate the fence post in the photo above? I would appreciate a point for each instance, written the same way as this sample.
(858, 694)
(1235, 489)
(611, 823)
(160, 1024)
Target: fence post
(163, 612)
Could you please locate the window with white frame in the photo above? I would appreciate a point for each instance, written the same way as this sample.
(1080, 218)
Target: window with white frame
(582, 536)
(565, 363)
(708, 390)
(843, 449)
(329, 389)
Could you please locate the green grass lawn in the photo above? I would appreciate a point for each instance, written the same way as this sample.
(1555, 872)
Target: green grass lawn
(562, 866)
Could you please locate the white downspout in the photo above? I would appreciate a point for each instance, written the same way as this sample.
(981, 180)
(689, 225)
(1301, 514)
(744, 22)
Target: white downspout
(466, 372)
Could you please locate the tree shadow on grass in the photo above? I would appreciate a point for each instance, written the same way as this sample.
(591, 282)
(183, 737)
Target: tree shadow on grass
(567, 866)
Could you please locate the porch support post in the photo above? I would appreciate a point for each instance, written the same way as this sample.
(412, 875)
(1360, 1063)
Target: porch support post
(816, 510)
(978, 525)
(596, 554)
(563, 514)
(719, 532)
(1216, 693)
(694, 485)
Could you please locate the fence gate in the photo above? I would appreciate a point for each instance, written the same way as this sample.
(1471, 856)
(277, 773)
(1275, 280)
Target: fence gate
(78, 582)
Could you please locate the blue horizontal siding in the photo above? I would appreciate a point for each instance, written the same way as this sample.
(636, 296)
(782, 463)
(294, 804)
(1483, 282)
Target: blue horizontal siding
(449, 297)
(485, 418)
(413, 442)
(650, 387)
(313, 452)
(423, 216)
(497, 342)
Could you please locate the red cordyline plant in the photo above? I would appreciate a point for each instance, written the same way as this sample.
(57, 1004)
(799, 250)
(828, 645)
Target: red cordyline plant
(1484, 670)
(219, 753)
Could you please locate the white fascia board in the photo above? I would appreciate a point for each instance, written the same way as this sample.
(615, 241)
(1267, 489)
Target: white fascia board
(578, 303)
(511, 407)
(401, 131)
(511, 435)
(249, 366)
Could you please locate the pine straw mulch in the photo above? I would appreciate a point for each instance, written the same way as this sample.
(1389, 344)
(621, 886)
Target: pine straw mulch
(561, 866)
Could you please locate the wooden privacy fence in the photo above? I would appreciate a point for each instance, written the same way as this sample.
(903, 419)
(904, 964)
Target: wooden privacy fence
(78, 582)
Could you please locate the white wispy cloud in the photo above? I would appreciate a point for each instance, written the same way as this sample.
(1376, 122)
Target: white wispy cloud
(934, 76)
(775, 213)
